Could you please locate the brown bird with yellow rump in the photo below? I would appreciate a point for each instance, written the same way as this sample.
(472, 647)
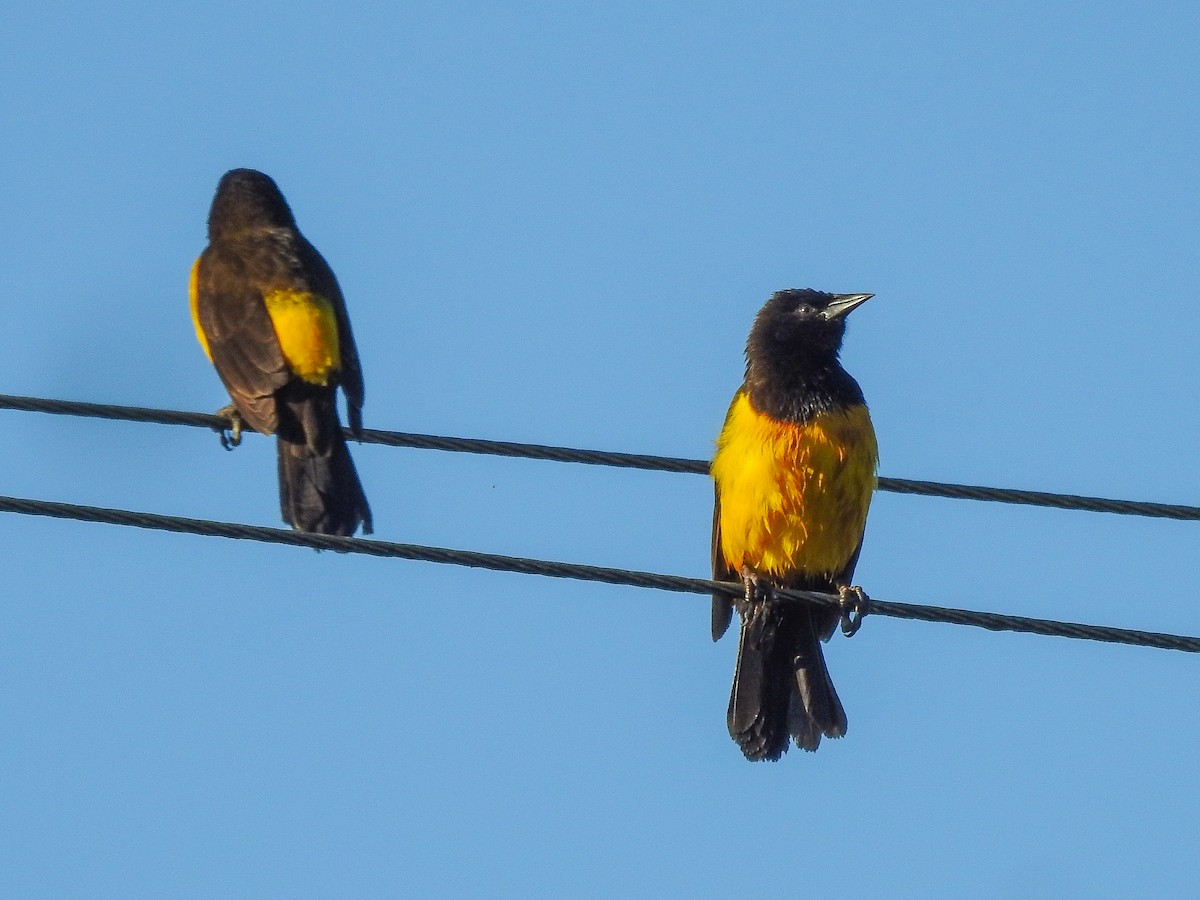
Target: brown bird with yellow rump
(270, 316)
(794, 473)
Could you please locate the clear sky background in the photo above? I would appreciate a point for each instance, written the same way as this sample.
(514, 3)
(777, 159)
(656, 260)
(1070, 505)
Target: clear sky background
(555, 223)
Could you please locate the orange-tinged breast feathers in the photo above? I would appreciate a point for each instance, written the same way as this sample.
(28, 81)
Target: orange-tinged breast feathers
(794, 498)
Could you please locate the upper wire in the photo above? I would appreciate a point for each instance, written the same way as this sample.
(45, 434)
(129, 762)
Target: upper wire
(950, 490)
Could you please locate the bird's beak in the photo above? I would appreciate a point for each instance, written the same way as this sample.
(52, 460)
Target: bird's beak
(843, 304)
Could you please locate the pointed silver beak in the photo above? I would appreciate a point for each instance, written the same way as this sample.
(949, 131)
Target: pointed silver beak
(843, 303)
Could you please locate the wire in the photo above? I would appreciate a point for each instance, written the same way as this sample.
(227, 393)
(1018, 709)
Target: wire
(619, 460)
(633, 578)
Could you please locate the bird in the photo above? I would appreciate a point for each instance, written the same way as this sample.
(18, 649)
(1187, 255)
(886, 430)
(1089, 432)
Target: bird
(793, 474)
(271, 318)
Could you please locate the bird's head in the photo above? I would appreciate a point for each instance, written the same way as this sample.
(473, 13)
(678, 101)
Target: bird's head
(801, 326)
(246, 198)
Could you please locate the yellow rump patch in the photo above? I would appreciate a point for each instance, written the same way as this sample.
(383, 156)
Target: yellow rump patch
(794, 498)
(306, 326)
(193, 300)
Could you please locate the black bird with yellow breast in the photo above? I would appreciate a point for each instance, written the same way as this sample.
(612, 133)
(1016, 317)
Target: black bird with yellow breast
(270, 316)
(794, 473)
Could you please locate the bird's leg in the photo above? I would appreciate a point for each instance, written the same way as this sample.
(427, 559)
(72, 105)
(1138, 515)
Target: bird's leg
(855, 604)
(231, 435)
(758, 610)
(758, 589)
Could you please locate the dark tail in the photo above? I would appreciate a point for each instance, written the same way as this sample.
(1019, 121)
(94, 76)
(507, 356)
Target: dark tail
(319, 490)
(781, 686)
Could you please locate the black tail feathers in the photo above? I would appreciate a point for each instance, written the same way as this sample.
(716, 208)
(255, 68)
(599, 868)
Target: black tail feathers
(781, 687)
(319, 490)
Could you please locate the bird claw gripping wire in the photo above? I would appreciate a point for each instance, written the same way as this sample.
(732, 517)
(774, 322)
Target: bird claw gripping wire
(855, 604)
(757, 587)
(231, 434)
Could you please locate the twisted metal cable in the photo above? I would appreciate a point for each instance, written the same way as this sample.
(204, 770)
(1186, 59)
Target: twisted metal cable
(630, 577)
(610, 458)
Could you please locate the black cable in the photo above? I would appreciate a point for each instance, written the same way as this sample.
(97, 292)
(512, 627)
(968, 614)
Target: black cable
(619, 460)
(494, 562)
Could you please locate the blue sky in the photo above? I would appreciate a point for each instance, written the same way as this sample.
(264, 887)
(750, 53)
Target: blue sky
(554, 223)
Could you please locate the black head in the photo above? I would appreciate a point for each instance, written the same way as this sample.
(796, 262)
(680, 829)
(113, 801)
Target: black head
(245, 199)
(801, 328)
(792, 368)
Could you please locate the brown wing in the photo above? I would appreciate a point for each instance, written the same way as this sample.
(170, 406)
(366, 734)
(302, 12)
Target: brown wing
(241, 338)
(324, 282)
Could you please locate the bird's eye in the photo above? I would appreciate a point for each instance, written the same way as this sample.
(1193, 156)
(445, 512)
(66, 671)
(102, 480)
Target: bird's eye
(805, 311)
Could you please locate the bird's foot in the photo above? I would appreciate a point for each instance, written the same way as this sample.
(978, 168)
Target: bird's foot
(759, 611)
(758, 589)
(855, 604)
(231, 434)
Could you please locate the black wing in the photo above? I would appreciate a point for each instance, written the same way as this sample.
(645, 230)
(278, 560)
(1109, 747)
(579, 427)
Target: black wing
(722, 604)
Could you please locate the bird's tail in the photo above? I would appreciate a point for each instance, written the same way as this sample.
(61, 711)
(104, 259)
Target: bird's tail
(319, 490)
(781, 686)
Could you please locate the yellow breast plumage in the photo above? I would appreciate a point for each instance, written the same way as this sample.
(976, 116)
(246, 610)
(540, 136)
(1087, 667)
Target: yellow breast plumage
(794, 497)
